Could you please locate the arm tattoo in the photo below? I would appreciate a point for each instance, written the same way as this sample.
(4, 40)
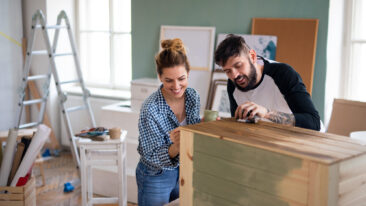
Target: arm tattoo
(281, 118)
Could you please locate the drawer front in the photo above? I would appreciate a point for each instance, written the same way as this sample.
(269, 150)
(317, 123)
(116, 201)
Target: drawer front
(141, 92)
(127, 120)
(136, 104)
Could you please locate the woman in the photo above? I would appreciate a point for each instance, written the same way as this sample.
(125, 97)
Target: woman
(171, 106)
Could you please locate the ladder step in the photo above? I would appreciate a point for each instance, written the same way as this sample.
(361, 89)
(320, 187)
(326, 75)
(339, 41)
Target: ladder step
(32, 124)
(63, 54)
(33, 101)
(69, 82)
(105, 200)
(35, 77)
(38, 26)
(40, 52)
(73, 109)
(56, 27)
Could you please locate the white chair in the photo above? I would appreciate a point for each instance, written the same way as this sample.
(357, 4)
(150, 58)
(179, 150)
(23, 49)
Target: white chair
(109, 152)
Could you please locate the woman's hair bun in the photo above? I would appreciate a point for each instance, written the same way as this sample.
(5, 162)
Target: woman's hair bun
(173, 53)
(173, 45)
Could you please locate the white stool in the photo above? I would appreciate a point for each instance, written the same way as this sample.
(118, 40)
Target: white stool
(110, 152)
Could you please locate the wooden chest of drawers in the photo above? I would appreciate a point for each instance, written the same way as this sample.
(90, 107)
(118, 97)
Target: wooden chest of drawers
(230, 163)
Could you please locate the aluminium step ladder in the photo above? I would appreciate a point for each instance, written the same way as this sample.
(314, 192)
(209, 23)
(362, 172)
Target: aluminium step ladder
(39, 22)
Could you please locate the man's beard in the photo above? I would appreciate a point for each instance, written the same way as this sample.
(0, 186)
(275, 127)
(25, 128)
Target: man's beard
(252, 79)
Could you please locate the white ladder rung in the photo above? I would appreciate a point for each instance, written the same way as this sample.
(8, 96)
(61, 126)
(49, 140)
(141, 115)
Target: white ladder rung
(105, 200)
(73, 109)
(103, 152)
(56, 27)
(38, 26)
(33, 101)
(32, 124)
(39, 52)
(63, 54)
(35, 77)
(69, 82)
(100, 162)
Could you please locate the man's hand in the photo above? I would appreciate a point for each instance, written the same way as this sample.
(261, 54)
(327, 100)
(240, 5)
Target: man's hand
(249, 110)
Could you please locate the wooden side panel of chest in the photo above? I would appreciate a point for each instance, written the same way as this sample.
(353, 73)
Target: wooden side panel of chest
(220, 172)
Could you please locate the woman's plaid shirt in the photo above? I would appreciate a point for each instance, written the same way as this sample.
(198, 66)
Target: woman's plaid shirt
(156, 121)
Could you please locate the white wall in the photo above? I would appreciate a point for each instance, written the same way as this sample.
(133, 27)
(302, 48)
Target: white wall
(11, 60)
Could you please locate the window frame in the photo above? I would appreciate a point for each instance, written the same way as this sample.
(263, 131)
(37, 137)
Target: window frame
(349, 43)
(112, 33)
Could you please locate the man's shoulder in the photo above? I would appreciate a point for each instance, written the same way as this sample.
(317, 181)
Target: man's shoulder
(273, 67)
(284, 76)
(280, 71)
(230, 86)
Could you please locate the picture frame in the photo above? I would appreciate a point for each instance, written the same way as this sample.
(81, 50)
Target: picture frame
(218, 76)
(199, 43)
(264, 45)
(219, 99)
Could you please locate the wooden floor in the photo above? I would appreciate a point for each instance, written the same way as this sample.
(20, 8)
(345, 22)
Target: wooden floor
(58, 171)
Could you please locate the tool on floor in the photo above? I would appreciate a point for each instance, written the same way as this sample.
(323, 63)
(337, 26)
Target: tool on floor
(68, 187)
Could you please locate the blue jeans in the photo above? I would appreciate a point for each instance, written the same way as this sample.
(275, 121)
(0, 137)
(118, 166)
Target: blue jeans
(156, 187)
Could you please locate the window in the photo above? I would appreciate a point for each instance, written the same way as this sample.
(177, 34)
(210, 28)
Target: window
(104, 32)
(355, 41)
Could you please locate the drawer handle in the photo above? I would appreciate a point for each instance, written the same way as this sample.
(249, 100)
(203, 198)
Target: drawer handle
(144, 90)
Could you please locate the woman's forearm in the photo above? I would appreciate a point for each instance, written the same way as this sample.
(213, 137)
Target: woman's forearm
(173, 150)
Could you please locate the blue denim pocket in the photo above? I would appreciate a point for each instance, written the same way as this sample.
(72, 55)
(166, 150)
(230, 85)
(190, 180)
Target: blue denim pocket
(155, 173)
(145, 171)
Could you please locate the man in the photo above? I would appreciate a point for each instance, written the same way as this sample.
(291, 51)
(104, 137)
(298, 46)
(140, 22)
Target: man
(261, 88)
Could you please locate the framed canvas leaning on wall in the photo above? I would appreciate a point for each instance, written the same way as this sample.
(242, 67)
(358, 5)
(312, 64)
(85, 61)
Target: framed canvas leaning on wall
(218, 98)
(199, 43)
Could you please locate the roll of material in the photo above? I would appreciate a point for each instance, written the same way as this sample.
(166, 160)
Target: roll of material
(16, 161)
(8, 156)
(39, 139)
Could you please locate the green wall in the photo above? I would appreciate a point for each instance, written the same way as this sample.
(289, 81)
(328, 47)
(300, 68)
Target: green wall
(228, 16)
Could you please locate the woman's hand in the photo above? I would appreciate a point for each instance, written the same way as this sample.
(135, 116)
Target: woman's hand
(175, 135)
(175, 138)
